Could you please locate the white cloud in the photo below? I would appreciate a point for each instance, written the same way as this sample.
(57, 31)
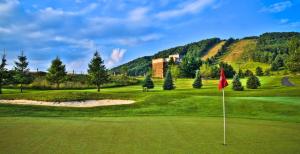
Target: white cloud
(78, 43)
(49, 11)
(283, 21)
(131, 41)
(5, 30)
(138, 14)
(187, 8)
(116, 55)
(8, 5)
(277, 7)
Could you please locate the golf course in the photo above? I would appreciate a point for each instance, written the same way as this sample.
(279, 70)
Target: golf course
(184, 120)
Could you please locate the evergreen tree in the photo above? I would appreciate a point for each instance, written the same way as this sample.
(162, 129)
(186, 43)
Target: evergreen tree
(198, 81)
(168, 82)
(22, 75)
(248, 73)
(236, 83)
(148, 83)
(253, 82)
(259, 71)
(97, 71)
(57, 72)
(293, 60)
(3, 72)
(241, 73)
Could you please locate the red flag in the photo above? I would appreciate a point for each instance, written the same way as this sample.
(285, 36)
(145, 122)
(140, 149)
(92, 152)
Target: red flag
(223, 82)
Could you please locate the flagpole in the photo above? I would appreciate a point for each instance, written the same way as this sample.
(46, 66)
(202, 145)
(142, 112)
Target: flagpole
(224, 118)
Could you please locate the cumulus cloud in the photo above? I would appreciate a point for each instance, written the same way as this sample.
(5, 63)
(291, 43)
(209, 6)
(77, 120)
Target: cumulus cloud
(277, 7)
(116, 55)
(187, 8)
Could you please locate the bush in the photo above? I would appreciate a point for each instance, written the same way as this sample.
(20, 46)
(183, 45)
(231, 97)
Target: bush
(148, 83)
(253, 82)
(248, 73)
(259, 71)
(236, 83)
(198, 81)
(168, 82)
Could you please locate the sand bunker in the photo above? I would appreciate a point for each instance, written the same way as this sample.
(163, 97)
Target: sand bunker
(87, 103)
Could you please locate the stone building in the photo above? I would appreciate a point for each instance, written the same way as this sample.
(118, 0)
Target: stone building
(159, 65)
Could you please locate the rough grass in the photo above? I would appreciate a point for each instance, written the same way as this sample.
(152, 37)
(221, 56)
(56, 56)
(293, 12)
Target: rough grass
(213, 51)
(147, 135)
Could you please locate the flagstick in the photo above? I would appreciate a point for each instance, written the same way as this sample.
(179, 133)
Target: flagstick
(224, 118)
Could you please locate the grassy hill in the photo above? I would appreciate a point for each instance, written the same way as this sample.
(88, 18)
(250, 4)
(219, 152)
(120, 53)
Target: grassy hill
(247, 53)
(213, 51)
(240, 53)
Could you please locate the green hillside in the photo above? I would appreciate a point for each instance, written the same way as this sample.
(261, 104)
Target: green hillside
(142, 65)
(246, 53)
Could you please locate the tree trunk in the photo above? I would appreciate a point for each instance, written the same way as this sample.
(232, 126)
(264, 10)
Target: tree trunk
(98, 88)
(57, 85)
(0, 88)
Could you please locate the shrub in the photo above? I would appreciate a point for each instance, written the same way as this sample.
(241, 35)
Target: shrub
(248, 73)
(148, 83)
(253, 82)
(259, 71)
(236, 83)
(198, 81)
(168, 82)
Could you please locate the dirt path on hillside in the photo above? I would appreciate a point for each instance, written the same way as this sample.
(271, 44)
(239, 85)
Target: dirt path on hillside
(285, 82)
(82, 104)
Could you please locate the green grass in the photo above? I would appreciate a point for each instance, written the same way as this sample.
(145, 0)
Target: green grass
(185, 120)
(146, 135)
(184, 101)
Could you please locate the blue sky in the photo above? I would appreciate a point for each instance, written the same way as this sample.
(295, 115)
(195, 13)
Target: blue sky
(123, 30)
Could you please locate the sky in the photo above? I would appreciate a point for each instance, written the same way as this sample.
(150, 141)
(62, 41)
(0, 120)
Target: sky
(122, 30)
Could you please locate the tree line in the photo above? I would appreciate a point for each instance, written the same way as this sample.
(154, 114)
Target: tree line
(56, 73)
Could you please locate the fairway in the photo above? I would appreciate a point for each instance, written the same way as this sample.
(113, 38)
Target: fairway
(184, 120)
(146, 135)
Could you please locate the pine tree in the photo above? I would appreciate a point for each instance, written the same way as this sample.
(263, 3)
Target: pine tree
(168, 82)
(3, 72)
(253, 82)
(57, 72)
(259, 71)
(248, 73)
(236, 83)
(241, 73)
(22, 75)
(148, 83)
(198, 81)
(97, 71)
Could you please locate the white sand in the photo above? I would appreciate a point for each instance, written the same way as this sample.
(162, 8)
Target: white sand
(87, 103)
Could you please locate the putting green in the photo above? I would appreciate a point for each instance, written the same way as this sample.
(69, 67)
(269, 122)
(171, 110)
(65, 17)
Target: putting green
(146, 135)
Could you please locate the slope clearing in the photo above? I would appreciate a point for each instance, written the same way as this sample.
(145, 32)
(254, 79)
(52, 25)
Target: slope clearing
(213, 51)
(239, 55)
